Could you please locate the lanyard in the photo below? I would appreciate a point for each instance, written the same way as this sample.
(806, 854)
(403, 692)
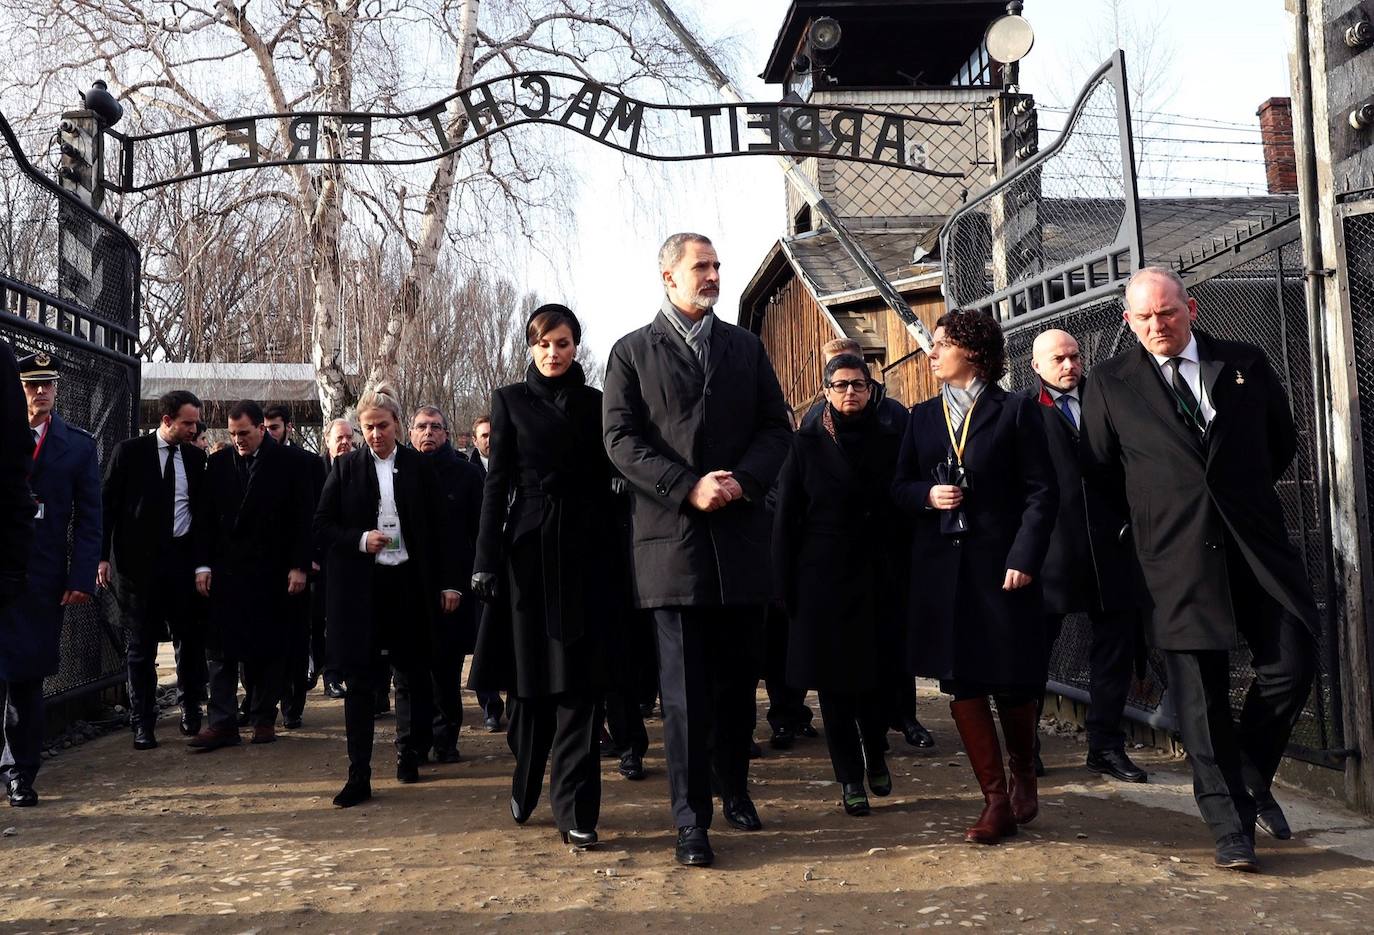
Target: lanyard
(42, 440)
(962, 442)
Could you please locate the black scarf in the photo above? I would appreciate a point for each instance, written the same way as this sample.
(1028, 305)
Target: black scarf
(555, 389)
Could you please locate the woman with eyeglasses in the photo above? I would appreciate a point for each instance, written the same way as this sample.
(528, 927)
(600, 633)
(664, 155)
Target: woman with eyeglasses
(835, 574)
(545, 553)
(975, 474)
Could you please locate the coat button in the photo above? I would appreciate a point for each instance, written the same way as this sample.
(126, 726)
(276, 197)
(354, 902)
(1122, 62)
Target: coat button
(708, 391)
(662, 490)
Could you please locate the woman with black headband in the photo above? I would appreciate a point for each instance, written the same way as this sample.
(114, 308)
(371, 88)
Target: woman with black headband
(544, 553)
(975, 474)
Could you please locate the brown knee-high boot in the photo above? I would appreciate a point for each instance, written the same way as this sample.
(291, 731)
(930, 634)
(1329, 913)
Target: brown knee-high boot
(1018, 726)
(978, 731)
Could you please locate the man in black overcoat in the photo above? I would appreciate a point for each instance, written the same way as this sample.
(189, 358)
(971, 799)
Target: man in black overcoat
(492, 705)
(16, 503)
(1091, 566)
(256, 558)
(153, 492)
(454, 635)
(301, 670)
(1200, 431)
(696, 423)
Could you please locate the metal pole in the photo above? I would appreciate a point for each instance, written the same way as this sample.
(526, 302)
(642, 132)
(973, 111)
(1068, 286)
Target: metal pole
(803, 185)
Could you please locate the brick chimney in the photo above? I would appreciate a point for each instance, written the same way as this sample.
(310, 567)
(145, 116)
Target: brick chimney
(1276, 130)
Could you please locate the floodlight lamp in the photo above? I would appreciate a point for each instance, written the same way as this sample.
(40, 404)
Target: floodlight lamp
(102, 103)
(1008, 39)
(824, 35)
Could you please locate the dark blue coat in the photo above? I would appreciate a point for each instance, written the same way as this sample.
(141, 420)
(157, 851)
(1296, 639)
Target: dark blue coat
(66, 480)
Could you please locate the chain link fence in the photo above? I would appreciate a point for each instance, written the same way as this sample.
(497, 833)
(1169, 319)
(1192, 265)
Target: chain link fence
(69, 287)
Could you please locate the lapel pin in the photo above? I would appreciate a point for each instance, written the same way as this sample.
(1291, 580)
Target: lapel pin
(1240, 378)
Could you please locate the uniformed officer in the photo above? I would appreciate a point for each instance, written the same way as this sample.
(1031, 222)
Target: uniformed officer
(65, 480)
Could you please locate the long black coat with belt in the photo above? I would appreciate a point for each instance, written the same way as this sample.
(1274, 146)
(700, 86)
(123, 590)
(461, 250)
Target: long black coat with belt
(255, 533)
(547, 532)
(1091, 563)
(835, 575)
(347, 509)
(16, 503)
(964, 626)
(1192, 495)
(667, 424)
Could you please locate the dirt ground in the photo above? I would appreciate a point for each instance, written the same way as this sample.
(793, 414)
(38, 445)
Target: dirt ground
(245, 839)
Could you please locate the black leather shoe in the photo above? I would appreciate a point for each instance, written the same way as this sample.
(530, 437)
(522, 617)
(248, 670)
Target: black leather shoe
(354, 792)
(407, 768)
(1271, 820)
(879, 778)
(632, 766)
(143, 737)
(783, 738)
(917, 736)
(1237, 852)
(854, 800)
(20, 793)
(1115, 763)
(580, 839)
(740, 813)
(291, 723)
(190, 722)
(446, 755)
(332, 688)
(519, 812)
(694, 847)
(492, 724)
(806, 730)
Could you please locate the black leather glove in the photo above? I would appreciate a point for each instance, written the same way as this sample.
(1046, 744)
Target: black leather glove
(484, 585)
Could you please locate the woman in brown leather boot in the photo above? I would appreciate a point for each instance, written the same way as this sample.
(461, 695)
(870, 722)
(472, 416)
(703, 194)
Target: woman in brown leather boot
(975, 474)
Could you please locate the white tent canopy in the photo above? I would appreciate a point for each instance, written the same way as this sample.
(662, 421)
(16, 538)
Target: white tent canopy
(231, 382)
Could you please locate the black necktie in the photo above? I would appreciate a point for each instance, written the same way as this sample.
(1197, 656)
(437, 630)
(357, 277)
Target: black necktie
(1187, 402)
(169, 485)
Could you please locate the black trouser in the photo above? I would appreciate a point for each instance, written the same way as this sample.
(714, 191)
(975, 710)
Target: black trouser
(23, 729)
(566, 726)
(787, 706)
(708, 662)
(626, 723)
(318, 656)
(446, 686)
(855, 729)
(898, 696)
(263, 677)
(1231, 762)
(297, 669)
(165, 603)
(415, 721)
(1111, 658)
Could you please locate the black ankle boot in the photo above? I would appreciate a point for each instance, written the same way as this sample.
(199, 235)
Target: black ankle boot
(357, 790)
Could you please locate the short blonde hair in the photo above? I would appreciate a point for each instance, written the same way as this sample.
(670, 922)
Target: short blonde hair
(381, 396)
(839, 346)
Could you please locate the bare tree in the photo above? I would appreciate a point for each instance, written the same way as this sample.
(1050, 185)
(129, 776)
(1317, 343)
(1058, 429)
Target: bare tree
(179, 63)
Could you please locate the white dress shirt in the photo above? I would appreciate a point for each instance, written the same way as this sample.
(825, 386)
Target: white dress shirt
(386, 505)
(40, 432)
(486, 464)
(1192, 375)
(181, 509)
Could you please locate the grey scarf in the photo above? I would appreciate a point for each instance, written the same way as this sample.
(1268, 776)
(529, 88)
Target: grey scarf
(697, 334)
(961, 401)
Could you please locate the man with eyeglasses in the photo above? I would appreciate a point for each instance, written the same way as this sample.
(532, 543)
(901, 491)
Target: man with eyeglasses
(455, 635)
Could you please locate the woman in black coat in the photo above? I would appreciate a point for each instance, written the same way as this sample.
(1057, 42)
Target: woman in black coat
(544, 558)
(835, 576)
(975, 474)
(388, 574)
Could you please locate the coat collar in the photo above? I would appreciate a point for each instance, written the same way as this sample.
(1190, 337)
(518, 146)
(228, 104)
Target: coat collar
(1143, 376)
(985, 410)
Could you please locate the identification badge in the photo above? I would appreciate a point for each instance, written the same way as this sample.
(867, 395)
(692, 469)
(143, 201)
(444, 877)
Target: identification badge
(38, 511)
(390, 523)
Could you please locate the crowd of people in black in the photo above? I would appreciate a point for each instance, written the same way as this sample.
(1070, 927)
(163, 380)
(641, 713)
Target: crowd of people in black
(673, 536)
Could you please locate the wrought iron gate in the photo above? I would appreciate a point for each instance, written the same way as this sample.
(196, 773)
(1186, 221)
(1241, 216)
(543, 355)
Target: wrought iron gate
(69, 286)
